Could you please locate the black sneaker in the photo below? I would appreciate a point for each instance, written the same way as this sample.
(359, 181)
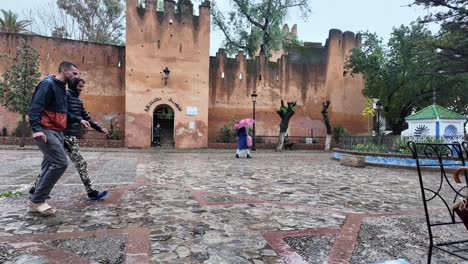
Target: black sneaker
(32, 190)
(248, 156)
(237, 155)
(95, 195)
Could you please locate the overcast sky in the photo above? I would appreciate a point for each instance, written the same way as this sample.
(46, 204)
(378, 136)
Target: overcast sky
(347, 15)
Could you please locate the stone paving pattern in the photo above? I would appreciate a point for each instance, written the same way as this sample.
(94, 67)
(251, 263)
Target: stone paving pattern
(208, 207)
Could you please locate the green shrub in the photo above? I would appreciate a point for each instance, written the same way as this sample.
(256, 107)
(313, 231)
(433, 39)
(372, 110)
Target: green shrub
(227, 134)
(401, 145)
(339, 131)
(114, 132)
(370, 147)
(114, 135)
(259, 139)
(17, 131)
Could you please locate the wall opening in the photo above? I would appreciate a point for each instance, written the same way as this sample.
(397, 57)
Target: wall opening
(164, 116)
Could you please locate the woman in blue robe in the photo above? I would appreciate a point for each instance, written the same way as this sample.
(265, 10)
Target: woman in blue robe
(242, 148)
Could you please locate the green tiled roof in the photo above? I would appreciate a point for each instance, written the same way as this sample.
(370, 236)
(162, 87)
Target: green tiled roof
(434, 111)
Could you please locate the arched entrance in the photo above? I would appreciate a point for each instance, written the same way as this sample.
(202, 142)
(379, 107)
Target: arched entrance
(164, 116)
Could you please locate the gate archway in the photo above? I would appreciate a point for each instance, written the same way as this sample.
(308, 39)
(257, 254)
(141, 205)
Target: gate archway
(164, 116)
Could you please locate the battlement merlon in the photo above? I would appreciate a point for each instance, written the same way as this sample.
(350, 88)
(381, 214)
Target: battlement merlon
(347, 38)
(142, 7)
(221, 53)
(294, 30)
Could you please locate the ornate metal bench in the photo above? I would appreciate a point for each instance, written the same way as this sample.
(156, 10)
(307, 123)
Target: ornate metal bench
(442, 192)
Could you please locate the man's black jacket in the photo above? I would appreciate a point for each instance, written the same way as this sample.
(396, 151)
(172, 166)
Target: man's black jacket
(76, 108)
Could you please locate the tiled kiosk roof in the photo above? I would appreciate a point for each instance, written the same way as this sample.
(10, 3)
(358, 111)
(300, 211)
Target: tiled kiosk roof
(435, 111)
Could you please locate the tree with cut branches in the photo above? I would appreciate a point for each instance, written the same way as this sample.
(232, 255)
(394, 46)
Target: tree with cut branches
(10, 23)
(256, 24)
(285, 112)
(19, 81)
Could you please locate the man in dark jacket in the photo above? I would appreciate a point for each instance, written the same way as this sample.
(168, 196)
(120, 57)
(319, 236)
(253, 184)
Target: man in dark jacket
(48, 118)
(157, 135)
(73, 132)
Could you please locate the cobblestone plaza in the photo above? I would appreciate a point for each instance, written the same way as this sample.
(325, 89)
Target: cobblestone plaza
(208, 207)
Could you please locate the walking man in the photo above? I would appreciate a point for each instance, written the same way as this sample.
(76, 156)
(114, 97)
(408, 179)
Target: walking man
(73, 132)
(48, 119)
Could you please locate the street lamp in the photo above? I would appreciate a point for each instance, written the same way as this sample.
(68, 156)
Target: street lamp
(378, 107)
(254, 100)
(165, 75)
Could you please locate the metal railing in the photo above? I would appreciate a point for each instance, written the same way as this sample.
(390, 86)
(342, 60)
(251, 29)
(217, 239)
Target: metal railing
(389, 143)
(353, 142)
(259, 139)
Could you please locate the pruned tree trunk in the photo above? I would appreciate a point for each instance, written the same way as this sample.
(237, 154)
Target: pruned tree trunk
(285, 112)
(326, 120)
(328, 142)
(23, 130)
(279, 146)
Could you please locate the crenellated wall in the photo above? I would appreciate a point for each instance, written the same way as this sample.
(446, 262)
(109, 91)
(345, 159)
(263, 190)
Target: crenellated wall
(126, 82)
(102, 66)
(179, 41)
(309, 75)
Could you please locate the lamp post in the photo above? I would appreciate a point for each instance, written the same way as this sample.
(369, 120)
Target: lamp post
(378, 107)
(165, 75)
(254, 100)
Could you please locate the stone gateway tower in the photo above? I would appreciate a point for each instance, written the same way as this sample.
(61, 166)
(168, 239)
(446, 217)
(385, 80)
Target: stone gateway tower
(167, 73)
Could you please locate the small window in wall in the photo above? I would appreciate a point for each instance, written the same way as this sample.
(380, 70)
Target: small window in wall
(159, 44)
(222, 75)
(180, 47)
(240, 76)
(260, 77)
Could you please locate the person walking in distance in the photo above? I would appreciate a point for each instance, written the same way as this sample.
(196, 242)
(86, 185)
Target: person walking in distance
(48, 118)
(157, 135)
(242, 147)
(73, 132)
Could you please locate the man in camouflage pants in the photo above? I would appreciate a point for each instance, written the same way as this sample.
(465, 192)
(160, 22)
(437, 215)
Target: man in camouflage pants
(71, 134)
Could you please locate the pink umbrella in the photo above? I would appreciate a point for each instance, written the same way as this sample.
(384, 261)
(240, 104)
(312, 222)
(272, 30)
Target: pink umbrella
(243, 123)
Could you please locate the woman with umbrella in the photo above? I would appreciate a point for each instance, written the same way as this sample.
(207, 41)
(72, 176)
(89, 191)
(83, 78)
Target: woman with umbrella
(243, 141)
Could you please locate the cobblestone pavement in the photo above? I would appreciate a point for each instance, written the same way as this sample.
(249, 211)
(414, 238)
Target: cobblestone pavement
(208, 207)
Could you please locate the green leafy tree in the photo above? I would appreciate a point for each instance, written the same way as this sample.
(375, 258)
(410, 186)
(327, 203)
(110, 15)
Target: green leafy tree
(368, 112)
(256, 24)
(400, 74)
(285, 112)
(97, 20)
(451, 49)
(10, 23)
(452, 40)
(19, 81)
